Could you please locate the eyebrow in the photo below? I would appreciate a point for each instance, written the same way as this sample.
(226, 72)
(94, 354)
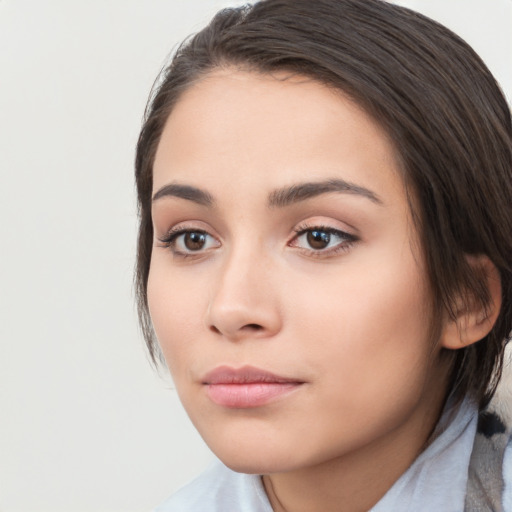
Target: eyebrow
(278, 198)
(185, 192)
(302, 191)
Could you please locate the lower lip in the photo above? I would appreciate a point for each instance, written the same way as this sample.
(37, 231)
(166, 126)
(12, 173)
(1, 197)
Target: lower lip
(244, 396)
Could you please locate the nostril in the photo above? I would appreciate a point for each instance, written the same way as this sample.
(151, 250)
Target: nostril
(253, 327)
(235, 331)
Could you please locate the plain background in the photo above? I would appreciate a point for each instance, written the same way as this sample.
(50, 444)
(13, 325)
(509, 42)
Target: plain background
(85, 424)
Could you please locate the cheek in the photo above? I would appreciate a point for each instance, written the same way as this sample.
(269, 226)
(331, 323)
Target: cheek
(175, 305)
(368, 345)
(372, 324)
(380, 291)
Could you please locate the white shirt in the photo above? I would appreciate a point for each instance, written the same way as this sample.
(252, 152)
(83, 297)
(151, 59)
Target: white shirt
(436, 481)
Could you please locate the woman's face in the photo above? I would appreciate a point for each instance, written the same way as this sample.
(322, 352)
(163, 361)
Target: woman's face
(286, 287)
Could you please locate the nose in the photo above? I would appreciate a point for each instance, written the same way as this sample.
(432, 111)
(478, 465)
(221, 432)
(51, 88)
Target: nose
(244, 302)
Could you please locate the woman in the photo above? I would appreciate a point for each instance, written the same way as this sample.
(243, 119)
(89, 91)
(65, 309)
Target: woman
(324, 258)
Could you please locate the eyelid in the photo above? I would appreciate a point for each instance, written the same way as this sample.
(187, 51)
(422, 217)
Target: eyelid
(308, 226)
(182, 226)
(172, 235)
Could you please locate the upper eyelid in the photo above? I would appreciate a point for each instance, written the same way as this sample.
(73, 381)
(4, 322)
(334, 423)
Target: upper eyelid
(185, 229)
(326, 226)
(339, 232)
(169, 242)
(319, 227)
(326, 253)
(300, 227)
(192, 225)
(173, 234)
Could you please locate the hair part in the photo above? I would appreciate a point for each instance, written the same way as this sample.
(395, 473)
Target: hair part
(444, 113)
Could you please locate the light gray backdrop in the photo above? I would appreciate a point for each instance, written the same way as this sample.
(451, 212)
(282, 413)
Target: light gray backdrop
(85, 423)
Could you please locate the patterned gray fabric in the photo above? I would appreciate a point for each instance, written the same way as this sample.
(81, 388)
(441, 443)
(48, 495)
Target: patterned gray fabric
(485, 478)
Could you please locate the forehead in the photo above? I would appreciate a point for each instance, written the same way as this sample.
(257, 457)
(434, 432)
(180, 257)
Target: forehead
(235, 127)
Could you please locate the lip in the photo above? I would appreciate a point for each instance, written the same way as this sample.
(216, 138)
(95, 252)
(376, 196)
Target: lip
(246, 387)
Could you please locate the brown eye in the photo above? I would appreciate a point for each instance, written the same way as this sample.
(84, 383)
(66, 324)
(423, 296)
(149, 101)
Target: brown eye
(185, 241)
(318, 239)
(194, 240)
(322, 241)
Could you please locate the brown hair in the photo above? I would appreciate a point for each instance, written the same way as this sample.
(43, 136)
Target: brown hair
(443, 110)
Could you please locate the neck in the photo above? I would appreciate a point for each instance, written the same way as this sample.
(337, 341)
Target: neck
(356, 481)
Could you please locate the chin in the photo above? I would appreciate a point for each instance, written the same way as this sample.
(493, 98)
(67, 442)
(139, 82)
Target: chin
(259, 457)
(255, 465)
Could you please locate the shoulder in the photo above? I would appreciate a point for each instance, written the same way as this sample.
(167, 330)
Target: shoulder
(503, 408)
(507, 476)
(219, 489)
(490, 472)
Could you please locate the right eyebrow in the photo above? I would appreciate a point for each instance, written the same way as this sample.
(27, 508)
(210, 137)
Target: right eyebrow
(187, 192)
(302, 191)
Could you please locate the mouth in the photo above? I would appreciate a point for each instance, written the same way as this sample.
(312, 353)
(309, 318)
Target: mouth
(246, 387)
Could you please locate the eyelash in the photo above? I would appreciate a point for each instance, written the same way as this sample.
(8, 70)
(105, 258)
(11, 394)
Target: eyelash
(169, 240)
(345, 245)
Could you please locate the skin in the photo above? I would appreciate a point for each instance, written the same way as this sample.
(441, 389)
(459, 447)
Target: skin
(350, 322)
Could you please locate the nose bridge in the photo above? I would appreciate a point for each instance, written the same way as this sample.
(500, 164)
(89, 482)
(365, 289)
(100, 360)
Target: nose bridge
(243, 301)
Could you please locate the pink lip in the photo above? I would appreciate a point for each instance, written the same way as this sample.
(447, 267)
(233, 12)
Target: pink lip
(246, 387)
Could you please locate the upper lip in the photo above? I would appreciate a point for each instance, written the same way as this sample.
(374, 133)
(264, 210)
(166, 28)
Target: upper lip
(243, 375)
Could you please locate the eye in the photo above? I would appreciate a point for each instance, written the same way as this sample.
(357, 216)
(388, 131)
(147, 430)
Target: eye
(321, 239)
(317, 239)
(184, 241)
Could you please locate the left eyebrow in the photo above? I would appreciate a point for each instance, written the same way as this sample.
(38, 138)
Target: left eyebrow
(187, 192)
(293, 194)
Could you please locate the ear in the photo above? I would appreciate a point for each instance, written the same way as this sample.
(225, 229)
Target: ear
(473, 321)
